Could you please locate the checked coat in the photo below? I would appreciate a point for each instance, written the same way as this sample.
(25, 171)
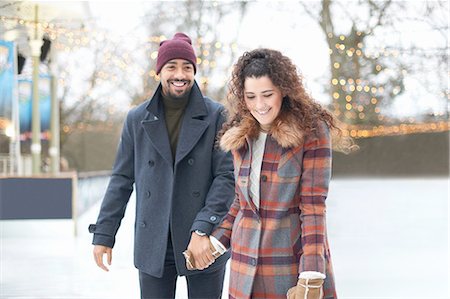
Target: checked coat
(287, 235)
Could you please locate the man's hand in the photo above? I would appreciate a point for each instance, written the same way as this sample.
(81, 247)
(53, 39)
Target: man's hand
(99, 251)
(200, 249)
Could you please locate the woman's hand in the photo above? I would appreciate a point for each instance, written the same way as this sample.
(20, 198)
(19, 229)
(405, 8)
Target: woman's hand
(306, 289)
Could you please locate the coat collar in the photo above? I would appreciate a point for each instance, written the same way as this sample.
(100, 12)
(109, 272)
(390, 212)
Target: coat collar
(196, 103)
(285, 132)
(192, 127)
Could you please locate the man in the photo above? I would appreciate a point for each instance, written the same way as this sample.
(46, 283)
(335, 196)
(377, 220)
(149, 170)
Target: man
(184, 182)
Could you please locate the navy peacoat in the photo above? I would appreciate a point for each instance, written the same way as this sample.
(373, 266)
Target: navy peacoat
(193, 192)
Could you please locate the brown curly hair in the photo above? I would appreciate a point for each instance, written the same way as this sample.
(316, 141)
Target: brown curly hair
(296, 101)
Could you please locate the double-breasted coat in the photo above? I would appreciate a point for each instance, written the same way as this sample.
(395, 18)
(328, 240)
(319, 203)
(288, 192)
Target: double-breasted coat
(271, 245)
(193, 192)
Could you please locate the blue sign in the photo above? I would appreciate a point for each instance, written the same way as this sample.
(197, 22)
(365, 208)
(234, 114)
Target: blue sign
(25, 105)
(7, 76)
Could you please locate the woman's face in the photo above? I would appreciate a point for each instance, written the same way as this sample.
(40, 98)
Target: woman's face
(263, 99)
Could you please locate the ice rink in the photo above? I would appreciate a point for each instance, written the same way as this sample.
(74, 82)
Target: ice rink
(389, 239)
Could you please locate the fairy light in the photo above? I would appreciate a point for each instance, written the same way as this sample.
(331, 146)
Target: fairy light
(401, 129)
(81, 37)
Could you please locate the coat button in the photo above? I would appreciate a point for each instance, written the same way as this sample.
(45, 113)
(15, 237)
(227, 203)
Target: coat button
(151, 163)
(148, 193)
(92, 228)
(196, 194)
(213, 218)
(191, 161)
(264, 178)
(142, 224)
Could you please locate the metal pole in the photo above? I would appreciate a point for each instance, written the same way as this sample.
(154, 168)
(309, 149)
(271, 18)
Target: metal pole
(36, 118)
(16, 161)
(54, 126)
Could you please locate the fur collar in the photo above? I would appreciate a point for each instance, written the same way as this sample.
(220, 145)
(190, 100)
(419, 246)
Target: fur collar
(286, 133)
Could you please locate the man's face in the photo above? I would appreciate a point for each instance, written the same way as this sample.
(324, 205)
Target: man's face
(177, 78)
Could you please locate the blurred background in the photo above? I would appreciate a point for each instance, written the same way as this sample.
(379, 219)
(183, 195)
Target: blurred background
(70, 71)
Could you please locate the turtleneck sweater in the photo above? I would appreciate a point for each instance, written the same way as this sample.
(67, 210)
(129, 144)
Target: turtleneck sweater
(173, 112)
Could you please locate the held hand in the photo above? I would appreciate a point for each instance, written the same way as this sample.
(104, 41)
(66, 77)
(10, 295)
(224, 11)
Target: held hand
(306, 289)
(199, 250)
(99, 251)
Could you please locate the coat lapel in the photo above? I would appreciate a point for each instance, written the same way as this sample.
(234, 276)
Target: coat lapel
(193, 125)
(155, 126)
(244, 175)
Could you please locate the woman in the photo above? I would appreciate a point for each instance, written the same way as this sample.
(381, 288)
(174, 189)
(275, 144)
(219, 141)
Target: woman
(281, 144)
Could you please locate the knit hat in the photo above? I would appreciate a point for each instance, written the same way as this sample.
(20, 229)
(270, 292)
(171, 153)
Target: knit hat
(180, 46)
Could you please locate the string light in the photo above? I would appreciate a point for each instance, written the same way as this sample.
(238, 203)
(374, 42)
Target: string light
(400, 129)
(72, 39)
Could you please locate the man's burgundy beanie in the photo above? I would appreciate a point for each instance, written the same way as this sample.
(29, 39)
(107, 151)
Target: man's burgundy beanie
(179, 47)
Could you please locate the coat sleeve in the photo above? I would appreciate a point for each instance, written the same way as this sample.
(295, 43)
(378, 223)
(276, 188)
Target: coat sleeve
(220, 193)
(314, 182)
(118, 192)
(223, 232)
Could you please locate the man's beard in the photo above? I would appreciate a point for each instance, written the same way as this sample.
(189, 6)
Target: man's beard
(174, 95)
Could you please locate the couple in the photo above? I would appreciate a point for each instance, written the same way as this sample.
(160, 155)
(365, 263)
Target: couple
(179, 148)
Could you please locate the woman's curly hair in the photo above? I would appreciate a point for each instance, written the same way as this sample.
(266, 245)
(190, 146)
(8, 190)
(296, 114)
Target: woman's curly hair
(296, 101)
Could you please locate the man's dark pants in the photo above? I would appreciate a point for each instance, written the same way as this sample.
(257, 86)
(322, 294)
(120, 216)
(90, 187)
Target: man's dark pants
(200, 286)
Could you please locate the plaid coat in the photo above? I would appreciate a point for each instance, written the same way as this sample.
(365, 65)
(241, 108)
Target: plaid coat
(271, 245)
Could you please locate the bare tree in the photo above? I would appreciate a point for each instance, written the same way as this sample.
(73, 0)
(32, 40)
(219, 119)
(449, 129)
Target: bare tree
(364, 82)
(91, 81)
(199, 19)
